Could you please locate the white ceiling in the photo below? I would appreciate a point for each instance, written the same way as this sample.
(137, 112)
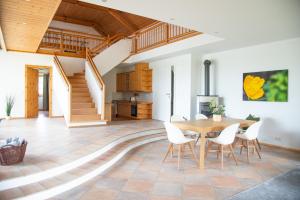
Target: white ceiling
(239, 22)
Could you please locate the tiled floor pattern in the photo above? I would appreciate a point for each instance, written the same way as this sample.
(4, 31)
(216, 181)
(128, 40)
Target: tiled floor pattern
(142, 175)
(51, 143)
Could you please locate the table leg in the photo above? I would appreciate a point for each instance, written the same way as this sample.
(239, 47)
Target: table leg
(202, 151)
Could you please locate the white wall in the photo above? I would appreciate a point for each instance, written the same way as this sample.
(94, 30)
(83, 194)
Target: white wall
(73, 27)
(112, 56)
(12, 78)
(282, 122)
(72, 65)
(182, 83)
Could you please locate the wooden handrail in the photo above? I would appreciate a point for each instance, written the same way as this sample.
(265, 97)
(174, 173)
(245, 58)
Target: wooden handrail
(62, 72)
(108, 42)
(99, 80)
(87, 35)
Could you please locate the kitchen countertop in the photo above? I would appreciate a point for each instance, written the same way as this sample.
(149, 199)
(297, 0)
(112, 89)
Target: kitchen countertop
(127, 101)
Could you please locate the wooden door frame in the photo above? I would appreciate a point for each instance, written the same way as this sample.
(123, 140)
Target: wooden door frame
(50, 86)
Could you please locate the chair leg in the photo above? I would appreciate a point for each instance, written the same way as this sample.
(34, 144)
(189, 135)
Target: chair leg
(197, 139)
(172, 149)
(219, 149)
(255, 145)
(222, 156)
(208, 148)
(179, 156)
(258, 143)
(247, 143)
(231, 149)
(169, 149)
(242, 146)
(193, 152)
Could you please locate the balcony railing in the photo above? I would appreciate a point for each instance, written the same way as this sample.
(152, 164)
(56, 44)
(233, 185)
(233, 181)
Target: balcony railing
(65, 42)
(157, 35)
(71, 43)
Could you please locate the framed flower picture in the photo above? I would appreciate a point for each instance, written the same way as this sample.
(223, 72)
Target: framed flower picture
(266, 86)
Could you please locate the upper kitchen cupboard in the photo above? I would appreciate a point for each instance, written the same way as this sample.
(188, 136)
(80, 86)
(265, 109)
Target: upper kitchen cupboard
(139, 80)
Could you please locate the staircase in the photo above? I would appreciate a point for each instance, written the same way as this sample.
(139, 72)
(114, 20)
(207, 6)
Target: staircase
(83, 108)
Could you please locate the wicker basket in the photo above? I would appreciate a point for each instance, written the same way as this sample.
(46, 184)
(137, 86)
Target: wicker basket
(10, 154)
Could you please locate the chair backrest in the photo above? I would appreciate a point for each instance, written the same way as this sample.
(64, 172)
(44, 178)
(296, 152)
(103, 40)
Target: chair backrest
(253, 130)
(176, 118)
(174, 134)
(200, 116)
(228, 134)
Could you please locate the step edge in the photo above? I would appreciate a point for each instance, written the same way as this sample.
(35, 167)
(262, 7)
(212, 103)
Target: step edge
(56, 190)
(50, 173)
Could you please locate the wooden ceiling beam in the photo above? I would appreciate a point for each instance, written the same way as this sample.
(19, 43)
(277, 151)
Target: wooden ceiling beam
(114, 13)
(100, 29)
(2, 42)
(73, 20)
(129, 26)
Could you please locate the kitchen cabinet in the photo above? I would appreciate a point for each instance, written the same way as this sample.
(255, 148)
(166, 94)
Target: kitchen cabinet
(124, 109)
(122, 82)
(139, 80)
(144, 109)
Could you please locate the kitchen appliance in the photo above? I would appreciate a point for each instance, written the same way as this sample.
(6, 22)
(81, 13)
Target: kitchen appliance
(134, 110)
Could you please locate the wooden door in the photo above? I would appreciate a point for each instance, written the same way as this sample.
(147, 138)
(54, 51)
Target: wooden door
(31, 92)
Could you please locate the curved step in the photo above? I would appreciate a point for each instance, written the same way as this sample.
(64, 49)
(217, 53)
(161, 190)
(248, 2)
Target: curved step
(40, 176)
(78, 176)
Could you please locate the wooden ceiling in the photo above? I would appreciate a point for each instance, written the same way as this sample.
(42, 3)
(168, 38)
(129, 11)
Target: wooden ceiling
(106, 21)
(24, 22)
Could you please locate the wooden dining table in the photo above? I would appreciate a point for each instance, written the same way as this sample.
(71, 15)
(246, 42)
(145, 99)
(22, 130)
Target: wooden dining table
(204, 126)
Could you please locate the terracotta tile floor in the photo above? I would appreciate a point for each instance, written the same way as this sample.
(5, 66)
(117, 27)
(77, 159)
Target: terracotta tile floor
(51, 143)
(142, 175)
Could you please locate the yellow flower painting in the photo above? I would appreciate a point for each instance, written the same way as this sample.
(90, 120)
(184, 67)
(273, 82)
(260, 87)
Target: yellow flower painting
(253, 87)
(266, 86)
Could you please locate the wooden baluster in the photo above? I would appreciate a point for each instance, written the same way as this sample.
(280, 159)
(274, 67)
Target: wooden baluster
(60, 39)
(167, 33)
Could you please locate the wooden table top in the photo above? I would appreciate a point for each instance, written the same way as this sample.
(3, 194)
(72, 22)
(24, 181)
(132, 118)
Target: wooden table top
(208, 125)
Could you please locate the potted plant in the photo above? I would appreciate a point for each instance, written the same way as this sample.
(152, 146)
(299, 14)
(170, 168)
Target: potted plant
(10, 101)
(216, 110)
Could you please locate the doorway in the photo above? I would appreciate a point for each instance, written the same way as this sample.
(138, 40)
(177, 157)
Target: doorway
(38, 91)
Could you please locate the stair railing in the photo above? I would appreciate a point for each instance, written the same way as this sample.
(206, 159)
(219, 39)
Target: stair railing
(159, 34)
(67, 84)
(108, 42)
(99, 79)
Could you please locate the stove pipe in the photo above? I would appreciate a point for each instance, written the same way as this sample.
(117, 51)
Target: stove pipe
(207, 64)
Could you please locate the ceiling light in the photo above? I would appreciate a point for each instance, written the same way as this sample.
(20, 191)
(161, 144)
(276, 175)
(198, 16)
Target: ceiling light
(24, 23)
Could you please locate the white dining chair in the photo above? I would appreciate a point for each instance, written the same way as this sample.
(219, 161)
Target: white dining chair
(176, 137)
(225, 139)
(176, 118)
(250, 136)
(200, 116)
